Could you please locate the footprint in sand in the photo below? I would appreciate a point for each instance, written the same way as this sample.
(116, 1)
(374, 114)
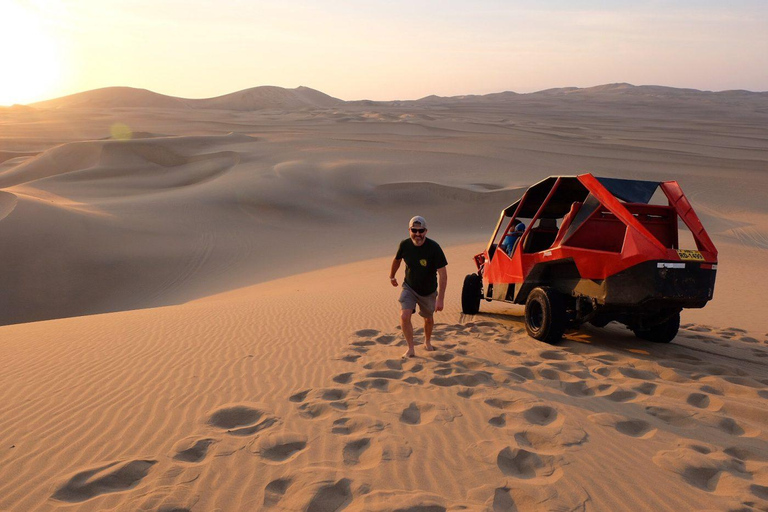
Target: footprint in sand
(621, 396)
(357, 424)
(729, 425)
(300, 396)
(375, 384)
(385, 339)
(275, 490)
(466, 393)
(279, 448)
(113, 477)
(368, 452)
(323, 401)
(646, 388)
(314, 410)
(525, 465)
(363, 343)
(385, 374)
(701, 470)
(411, 414)
(342, 378)
(551, 441)
(541, 415)
(500, 403)
(192, 449)
(704, 401)
(522, 372)
(554, 355)
(388, 364)
(465, 379)
(744, 453)
(316, 489)
(241, 419)
(629, 427)
(584, 389)
(498, 421)
(354, 451)
(422, 413)
(333, 394)
(331, 497)
(529, 499)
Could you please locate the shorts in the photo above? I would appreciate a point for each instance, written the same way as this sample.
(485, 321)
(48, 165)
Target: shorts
(409, 298)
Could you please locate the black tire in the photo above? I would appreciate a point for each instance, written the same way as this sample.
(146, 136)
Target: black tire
(545, 318)
(664, 332)
(471, 293)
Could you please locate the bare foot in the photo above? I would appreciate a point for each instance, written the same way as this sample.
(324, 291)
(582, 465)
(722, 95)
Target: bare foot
(428, 347)
(409, 353)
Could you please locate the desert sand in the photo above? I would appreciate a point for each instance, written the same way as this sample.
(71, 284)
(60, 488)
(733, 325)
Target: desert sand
(196, 312)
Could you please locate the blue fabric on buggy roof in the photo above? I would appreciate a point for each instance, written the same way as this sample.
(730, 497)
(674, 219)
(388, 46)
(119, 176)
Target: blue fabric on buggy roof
(630, 191)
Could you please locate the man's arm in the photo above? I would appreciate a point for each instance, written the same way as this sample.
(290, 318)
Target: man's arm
(442, 282)
(393, 271)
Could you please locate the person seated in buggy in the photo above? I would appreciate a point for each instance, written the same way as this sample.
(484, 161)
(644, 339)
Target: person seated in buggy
(510, 241)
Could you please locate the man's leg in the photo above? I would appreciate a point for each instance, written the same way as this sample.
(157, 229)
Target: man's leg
(428, 324)
(407, 326)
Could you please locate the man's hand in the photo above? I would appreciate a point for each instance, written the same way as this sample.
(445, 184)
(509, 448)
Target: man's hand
(393, 281)
(439, 303)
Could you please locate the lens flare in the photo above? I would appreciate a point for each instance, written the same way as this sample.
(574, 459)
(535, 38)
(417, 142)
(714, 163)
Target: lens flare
(120, 131)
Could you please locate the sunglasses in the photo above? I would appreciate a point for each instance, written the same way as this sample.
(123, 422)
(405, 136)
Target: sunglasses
(416, 230)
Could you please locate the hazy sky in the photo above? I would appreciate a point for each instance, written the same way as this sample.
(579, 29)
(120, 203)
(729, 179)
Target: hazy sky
(388, 49)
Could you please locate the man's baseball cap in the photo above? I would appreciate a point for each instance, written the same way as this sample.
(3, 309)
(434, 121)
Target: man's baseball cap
(418, 221)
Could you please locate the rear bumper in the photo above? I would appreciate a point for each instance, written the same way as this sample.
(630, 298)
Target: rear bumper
(662, 284)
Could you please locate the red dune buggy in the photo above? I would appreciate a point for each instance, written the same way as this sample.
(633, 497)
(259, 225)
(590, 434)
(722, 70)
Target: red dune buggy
(577, 249)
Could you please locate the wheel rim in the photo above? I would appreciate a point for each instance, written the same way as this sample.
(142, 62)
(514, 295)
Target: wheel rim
(535, 315)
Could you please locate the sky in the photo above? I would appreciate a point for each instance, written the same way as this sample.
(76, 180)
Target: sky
(377, 49)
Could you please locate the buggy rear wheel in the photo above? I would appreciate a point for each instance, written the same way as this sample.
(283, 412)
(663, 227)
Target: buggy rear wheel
(545, 318)
(471, 293)
(661, 333)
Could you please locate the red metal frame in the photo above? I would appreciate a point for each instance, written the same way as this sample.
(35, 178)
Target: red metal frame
(639, 244)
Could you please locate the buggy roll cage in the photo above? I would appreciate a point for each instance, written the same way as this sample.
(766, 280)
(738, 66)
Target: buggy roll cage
(609, 193)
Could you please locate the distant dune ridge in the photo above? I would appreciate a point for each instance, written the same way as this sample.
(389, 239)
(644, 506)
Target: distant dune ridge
(255, 98)
(271, 97)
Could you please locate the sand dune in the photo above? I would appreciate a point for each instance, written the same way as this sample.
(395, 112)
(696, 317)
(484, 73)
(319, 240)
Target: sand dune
(197, 317)
(256, 98)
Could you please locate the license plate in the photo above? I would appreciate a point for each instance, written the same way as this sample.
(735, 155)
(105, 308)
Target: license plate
(687, 255)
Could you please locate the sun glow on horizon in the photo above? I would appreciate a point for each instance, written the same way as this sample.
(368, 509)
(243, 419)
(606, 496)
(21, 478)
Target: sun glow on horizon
(31, 62)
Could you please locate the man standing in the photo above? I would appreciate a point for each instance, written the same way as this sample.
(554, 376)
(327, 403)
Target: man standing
(424, 263)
